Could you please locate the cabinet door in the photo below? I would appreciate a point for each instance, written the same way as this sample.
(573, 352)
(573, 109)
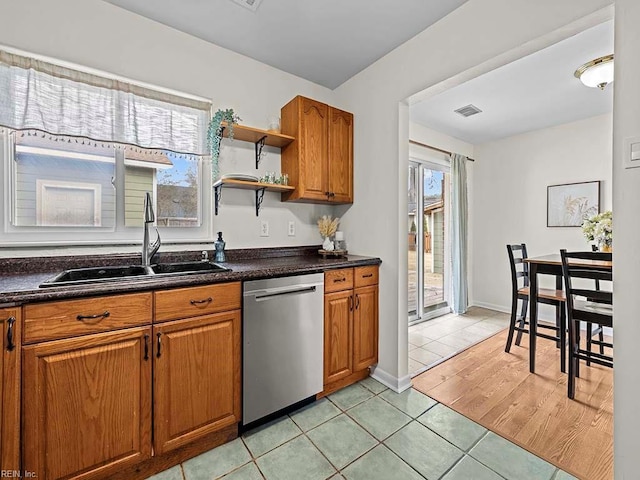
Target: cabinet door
(365, 327)
(87, 404)
(314, 118)
(196, 378)
(338, 335)
(340, 156)
(10, 389)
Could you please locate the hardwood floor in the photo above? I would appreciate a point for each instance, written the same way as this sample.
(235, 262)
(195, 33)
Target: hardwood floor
(496, 390)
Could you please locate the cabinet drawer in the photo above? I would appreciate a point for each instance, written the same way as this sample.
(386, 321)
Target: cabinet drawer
(193, 301)
(336, 280)
(365, 276)
(68, 318)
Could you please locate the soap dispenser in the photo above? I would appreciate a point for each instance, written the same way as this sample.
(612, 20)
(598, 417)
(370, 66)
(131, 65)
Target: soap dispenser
(219, 246)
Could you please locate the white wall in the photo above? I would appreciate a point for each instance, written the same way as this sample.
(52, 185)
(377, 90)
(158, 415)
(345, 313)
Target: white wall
(99, 35)
(626, 254)
(428, 136)
(479, 36)
(509, 199)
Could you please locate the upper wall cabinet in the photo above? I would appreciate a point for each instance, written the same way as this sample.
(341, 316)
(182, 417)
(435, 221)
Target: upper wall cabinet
(320, 159)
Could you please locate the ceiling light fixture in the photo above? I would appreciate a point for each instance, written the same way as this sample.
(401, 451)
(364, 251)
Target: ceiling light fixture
(596, 73)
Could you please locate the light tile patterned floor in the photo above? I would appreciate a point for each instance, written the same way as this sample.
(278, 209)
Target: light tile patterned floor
(433, 341)
(368, 432)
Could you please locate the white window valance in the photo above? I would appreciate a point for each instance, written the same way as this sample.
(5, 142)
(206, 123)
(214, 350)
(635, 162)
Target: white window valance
(38, 95)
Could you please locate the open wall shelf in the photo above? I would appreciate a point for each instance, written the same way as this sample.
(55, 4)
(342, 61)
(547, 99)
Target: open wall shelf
(258, 137)
(259, 188)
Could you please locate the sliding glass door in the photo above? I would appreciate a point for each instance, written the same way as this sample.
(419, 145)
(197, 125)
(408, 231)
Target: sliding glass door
(428, 247)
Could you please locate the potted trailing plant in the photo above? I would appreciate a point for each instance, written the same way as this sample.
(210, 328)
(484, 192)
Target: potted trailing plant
(214, 136)
(599, 229)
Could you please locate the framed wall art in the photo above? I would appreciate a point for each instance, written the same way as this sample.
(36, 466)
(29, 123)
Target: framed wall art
(568, 205)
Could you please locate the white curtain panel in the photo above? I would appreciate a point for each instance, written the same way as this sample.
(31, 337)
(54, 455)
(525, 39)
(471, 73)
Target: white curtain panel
(459, 232)
(36, 95)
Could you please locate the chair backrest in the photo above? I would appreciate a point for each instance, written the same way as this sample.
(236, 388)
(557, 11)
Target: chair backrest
(584, 265)
(519, 269)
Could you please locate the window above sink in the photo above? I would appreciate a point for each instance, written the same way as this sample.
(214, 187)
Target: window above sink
(80, 148)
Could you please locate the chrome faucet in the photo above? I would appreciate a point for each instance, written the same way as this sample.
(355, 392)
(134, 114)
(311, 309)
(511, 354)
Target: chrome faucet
(149, 249)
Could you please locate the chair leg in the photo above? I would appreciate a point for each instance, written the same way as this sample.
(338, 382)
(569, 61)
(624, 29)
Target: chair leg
(563, 340)
(589, 333)
(577, 348)
(601, 338)
(571, 377)
(512, 323)
(523, 316)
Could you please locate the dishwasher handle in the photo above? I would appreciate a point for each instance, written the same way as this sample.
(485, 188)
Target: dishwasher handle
(278, 293)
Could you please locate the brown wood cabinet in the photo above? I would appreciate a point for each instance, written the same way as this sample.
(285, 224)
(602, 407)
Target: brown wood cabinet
(87, 404)
(196, 378)
(87, 399)
(351, 325)
(338, 332)
(319, 161)
(10, 389)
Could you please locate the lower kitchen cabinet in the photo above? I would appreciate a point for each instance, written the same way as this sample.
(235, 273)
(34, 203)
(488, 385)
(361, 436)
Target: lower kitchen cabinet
(87, 404)
(338, 336)
(121, 403)
(351, 325)
(196, 378)
(10, 389)
(365, 327)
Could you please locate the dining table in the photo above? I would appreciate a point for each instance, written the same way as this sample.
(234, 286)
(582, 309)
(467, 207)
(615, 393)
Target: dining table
(549, 265)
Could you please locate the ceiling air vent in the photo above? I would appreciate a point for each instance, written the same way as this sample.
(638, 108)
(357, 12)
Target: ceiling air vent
(249, 4)
(468, 110)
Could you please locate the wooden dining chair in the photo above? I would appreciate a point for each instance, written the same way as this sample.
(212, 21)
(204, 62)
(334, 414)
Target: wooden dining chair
(598, 331)
(586, 304)
(520, 292)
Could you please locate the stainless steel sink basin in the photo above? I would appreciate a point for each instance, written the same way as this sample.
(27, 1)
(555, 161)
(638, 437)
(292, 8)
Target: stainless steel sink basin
(187, 267)
(78, 276)
(95, 274)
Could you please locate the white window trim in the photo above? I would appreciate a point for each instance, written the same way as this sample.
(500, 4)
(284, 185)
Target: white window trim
(41, 186)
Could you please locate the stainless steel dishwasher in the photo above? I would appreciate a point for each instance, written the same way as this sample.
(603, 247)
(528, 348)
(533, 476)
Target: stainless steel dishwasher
(282, 343)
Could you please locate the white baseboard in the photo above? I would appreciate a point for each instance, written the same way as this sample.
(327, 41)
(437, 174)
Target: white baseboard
(396, 384)
(504, 309)
(491, 306)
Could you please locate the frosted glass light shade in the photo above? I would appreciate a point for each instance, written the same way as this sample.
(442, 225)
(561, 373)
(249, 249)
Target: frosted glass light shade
(596, 73)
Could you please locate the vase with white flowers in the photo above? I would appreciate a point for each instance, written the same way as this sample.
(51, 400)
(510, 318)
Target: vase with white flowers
(599, 229)
(327, 227)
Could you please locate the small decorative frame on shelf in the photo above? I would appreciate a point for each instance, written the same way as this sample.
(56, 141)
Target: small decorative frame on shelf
(569, 204)
(259, 188)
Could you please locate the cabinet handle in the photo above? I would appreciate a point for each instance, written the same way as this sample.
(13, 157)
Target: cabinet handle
(332, 194)
(328, 194)
(10, 343)
(146, 347)
(94, 317)
(338, 280)
(368, 275)
(200, 302)
(159, 346)
(357, 301)
(351, 303)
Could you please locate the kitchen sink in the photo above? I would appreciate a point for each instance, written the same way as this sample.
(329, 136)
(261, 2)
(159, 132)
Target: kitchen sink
(95, 274)
(187, 267)
(78, 276)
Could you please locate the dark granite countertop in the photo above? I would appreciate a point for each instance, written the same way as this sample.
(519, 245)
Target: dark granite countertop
(20, 278)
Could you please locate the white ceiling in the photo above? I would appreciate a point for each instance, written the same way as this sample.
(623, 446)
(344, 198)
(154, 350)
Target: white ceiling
(534, 92)
(324, 41)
